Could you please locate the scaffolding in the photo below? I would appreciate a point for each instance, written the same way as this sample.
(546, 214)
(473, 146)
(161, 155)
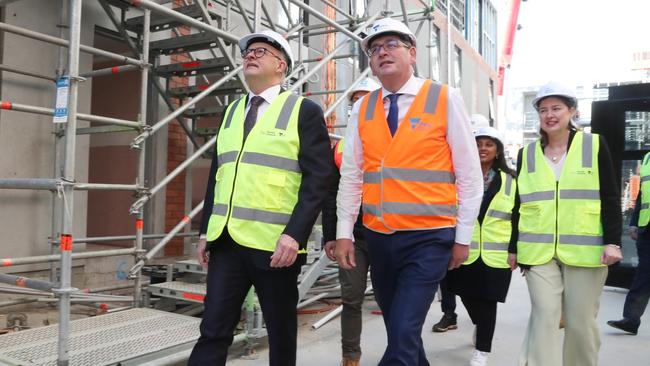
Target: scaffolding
(210, 19)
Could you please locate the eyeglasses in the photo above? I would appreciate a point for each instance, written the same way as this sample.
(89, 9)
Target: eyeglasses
(257, 53)
(389, 46)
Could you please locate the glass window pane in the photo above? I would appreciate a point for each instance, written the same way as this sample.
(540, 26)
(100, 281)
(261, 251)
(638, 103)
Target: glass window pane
(637, 130)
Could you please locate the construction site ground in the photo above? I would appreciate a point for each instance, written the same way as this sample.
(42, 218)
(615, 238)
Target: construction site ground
(322, 347)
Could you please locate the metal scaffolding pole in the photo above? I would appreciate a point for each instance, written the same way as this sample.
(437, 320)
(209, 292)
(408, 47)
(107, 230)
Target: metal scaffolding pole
(26, 73)
(8, 262)
(102, 239)
(157, 8)
(247, 21)
(68, 194)
(144, 199)
(323, 18)
(320, 58)
(153, 79)
(109, 71)
(64, 43)
(50, 112)
(139, 226)
(158, 125)
(344, 96)
(339, 10)
(152, 252)
(324, 61)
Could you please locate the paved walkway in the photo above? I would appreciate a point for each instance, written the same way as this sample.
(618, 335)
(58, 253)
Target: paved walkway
(322, 347)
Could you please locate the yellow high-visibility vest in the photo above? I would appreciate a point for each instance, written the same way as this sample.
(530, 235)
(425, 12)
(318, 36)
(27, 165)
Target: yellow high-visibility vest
(561, 217)
(257, 182)
(490, 239)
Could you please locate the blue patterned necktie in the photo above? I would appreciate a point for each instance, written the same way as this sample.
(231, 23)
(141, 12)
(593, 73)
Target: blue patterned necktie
(393, 113)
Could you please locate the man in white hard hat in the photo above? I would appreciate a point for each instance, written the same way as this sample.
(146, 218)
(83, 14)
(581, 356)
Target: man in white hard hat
(410, 160)
(267, 184)
(364, 87)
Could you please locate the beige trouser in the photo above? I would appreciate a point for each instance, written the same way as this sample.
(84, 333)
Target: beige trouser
(555, 288)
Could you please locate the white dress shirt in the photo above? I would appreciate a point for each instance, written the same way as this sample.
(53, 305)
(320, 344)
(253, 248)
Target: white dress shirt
(464, 154)
(268, 95)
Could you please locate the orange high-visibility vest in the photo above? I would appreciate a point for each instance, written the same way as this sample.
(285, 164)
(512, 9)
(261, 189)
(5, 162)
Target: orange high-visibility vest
(408, 179)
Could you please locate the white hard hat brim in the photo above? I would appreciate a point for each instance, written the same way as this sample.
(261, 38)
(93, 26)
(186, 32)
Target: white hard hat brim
(365, 43)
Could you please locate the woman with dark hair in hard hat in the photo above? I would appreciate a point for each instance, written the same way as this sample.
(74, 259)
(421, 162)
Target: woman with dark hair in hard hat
(566, 231)
(484, 278)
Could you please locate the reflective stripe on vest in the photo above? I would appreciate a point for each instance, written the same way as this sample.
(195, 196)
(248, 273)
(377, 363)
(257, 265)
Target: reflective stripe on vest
(561, 217)
(416, 159)
(490, 239)
(257, 182)
(644, 191)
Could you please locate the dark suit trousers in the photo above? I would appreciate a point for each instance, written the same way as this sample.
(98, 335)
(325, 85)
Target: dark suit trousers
(232, 270)
(406, 269)
(636, 300)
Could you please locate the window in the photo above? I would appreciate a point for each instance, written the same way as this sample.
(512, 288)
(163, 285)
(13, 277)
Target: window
(457, 67)
(488, 44)
(294, 12)
(457, 12)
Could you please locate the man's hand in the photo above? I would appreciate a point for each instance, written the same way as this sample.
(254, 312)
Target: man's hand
(512, 261)
(611, 254)
(201, 254)
(286, 252)
(459, 254)
(330, 246)
(634, 233)
(344, 253)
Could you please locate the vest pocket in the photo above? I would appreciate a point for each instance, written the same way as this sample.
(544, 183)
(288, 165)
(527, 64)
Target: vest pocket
(274, 195)
(529, 218)
(588, 218)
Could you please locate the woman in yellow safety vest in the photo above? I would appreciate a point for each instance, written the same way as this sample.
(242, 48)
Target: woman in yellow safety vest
(484, 278)
(566, 231)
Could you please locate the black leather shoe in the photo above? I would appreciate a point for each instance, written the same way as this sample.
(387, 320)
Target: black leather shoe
(625, 325)
(448, 322)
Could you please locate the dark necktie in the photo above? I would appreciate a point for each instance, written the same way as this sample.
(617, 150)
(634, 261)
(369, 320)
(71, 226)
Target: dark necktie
(393, 113)
(251, 117)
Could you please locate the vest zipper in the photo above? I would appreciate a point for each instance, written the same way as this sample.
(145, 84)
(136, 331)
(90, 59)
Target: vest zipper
(557, 206)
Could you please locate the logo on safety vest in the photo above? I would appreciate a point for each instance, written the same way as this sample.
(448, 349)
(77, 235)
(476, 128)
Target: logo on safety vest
(417, 123)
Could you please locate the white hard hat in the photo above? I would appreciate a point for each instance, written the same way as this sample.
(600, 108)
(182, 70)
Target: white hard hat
(487, 131)
(554, 88)
(272, 37)
(386, 25)
(478, 120)
(366, 84)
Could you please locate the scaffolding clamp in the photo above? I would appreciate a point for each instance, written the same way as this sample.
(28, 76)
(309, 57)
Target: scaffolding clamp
(137, 142)
(135, 270)
(63, 291)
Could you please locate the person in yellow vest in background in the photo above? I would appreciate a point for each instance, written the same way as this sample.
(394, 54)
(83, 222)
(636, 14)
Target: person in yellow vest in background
(566, 231)
(410, 162)
(637, 298)
(483, 279)
(267, 184)
(353, 281)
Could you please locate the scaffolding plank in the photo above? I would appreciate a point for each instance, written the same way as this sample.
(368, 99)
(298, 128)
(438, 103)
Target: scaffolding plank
(189, 43)
(192, 292)
(190, 265)
(229, 88)
(122, 4)
(196, 67)
(103, 340)
(161, 22)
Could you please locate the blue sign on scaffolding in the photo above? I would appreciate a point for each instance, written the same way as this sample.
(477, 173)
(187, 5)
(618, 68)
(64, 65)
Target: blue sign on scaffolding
(61, 105)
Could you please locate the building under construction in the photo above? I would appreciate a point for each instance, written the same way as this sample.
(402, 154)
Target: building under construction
(108, 119)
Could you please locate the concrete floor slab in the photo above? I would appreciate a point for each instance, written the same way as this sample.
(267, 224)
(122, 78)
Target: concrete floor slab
(322, 347)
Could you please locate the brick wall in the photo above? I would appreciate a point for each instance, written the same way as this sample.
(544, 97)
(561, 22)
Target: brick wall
(176, 154)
